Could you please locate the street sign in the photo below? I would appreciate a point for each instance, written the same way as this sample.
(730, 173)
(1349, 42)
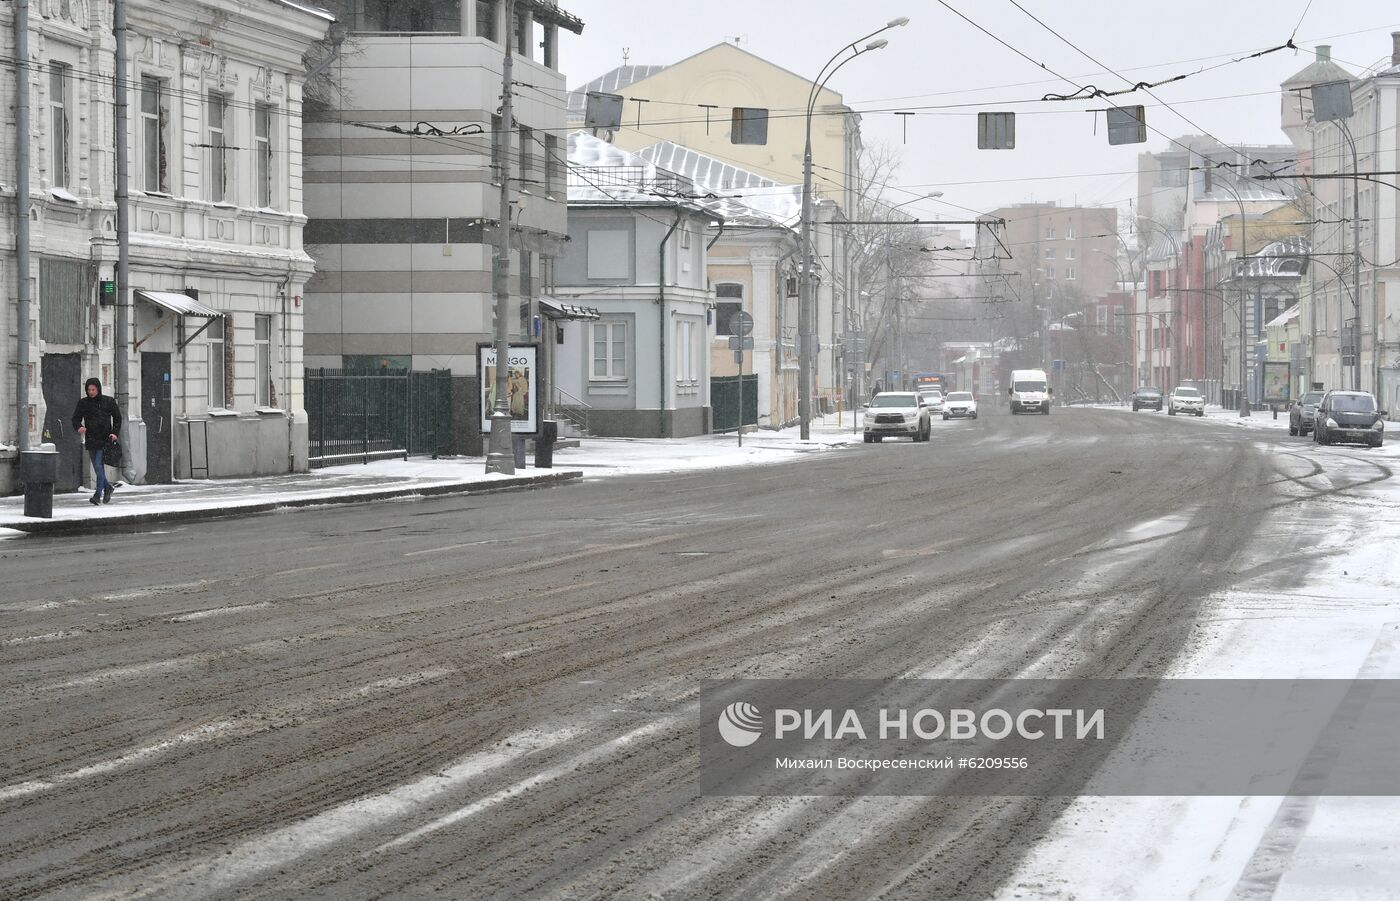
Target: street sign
(736, 343)
(996, 131)
(1126, 125)
(741, 323)
(739, 358)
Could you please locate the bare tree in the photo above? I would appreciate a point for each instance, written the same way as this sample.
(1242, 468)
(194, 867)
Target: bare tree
(892, 265)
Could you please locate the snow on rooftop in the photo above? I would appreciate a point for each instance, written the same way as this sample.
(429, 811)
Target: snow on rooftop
(602, 173)
(609, 83)
(778, 202)
(1285, 317)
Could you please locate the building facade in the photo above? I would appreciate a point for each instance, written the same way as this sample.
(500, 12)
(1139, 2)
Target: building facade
(216, 260)
(403, 176)
(1061, 258)
(669, 104)
(1356, 321)
(751, 262)
(636, 255)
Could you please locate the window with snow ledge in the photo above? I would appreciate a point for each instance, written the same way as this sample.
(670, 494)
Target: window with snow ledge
(63, 194)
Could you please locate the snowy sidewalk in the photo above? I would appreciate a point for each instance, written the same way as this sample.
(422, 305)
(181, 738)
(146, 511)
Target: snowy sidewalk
(418, 476)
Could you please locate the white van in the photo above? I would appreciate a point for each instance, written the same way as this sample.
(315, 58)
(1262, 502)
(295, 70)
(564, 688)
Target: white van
(1030, 391)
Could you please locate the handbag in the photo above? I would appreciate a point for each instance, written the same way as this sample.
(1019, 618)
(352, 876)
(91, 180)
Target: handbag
(112, 453)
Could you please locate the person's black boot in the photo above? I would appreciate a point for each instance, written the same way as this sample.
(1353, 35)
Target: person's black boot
(95, 500)
(107, 494)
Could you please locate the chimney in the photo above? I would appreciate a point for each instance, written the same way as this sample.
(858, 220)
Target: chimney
(1395, 48)
(1324, 53)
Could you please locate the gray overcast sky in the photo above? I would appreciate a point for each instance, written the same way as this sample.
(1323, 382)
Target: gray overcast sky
(940, 59)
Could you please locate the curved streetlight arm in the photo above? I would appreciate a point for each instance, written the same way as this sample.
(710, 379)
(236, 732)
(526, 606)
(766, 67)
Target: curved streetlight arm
(804, 275)
(820, 81)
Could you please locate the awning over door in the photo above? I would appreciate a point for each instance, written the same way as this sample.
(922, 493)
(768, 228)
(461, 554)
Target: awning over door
(174, 305)
(557, 309)
(179, 304)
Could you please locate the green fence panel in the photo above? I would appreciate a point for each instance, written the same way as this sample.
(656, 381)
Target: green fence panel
(724, 402)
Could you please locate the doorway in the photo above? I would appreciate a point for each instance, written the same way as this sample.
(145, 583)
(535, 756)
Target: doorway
(62, 378)
(155, 413)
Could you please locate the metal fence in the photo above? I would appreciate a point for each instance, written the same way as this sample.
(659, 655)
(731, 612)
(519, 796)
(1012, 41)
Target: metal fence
(724, 402)
(353, 417)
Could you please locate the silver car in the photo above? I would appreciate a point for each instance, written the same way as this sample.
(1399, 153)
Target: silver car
(933, 399)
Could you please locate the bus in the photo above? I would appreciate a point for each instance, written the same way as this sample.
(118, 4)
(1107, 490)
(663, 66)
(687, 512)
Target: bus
(944, 382)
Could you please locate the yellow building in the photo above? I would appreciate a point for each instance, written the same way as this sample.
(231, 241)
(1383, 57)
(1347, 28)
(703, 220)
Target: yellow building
(689, 103)
(677, 98)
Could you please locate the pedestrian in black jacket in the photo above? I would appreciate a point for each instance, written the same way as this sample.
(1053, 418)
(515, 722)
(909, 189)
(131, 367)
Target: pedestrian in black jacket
(99, 420)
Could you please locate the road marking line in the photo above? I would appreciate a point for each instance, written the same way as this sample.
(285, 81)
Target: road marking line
(570, 766)
(120, 671)
(302, 569)
(224, 727)
(454, 547)
(202, 733)
(48, 636)
(219, 611)
(279, 848)
(927, 550)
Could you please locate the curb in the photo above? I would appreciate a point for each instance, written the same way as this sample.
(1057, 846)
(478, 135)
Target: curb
(82, 526)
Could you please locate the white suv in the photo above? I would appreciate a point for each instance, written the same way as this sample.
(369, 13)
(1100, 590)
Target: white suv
(896, 413)
(1186, 399)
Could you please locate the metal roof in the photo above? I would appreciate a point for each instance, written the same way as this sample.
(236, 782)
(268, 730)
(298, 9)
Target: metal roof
(179, 304)
(603, 174)
(1321, 69)
(609, 83)
(1283, 259)
(558, 309)
(779, 202)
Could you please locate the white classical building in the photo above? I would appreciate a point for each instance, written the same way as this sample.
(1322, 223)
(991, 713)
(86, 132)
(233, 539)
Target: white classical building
(216, 262)
(1354, 327)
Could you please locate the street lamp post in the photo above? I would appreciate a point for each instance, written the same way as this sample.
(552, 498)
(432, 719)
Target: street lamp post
(806, 315)
(1244, 250)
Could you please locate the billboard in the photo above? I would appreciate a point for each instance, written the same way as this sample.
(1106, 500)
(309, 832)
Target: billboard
(522, 387)
(1276, 383)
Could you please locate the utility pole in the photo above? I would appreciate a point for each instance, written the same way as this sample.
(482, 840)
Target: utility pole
(500, 456)
(22, 220)
(122, 343)
(1356, 264)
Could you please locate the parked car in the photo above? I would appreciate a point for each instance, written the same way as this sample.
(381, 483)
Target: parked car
(1349, 416)
(1186, 399)
(1147, 398)
(933, 399)
(896, 413)
(1302, 411)
(960, 404)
